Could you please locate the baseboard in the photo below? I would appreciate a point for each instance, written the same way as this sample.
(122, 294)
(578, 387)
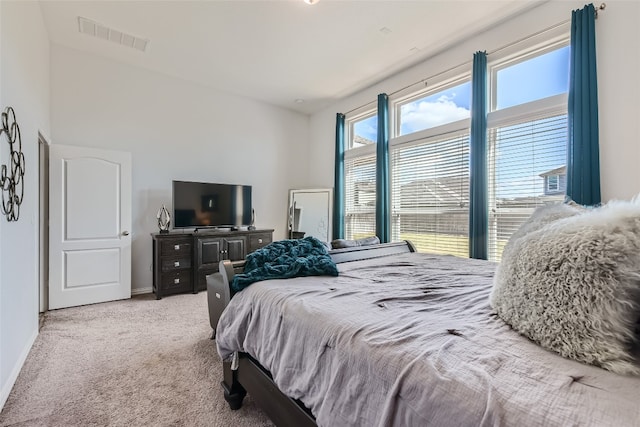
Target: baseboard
(6, 388)
(140, 291)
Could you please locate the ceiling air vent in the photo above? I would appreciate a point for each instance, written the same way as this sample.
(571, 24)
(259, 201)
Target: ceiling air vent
(92, 28)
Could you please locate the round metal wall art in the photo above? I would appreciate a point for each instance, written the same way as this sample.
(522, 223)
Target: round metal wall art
(12, 175)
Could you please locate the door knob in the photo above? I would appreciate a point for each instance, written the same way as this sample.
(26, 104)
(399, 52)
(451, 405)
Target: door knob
(125, 233)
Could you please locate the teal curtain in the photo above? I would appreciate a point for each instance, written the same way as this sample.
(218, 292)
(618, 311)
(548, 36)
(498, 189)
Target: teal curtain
(478, 208)
(583, 152)
(338, 188)
(383, 204)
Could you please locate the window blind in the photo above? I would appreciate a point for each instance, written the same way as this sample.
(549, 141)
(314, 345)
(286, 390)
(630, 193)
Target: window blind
(430, 194)
(527, 169)
(360, 196)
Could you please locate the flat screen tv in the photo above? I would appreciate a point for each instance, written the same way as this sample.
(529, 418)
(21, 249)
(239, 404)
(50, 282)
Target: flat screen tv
(204, 204)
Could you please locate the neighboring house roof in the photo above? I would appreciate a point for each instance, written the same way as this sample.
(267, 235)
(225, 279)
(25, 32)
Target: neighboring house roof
(527, 202)
(362, 140)
(452, 191)
(562, 170)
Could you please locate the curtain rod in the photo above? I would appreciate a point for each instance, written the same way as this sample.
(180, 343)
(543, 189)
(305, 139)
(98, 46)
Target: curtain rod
(602, 6)
(362, 106)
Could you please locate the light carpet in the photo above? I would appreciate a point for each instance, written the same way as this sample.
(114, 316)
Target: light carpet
(137, 362)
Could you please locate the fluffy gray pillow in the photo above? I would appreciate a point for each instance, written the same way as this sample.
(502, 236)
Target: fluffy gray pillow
(569, 280)
(545, 215)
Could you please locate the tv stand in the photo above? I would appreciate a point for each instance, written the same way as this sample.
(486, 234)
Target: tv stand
(181, 260)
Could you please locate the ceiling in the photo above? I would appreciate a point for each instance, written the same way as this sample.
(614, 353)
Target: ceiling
(287, 53)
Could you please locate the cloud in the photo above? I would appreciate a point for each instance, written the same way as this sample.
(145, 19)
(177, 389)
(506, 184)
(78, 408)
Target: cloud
(368, 131)
(427, 114)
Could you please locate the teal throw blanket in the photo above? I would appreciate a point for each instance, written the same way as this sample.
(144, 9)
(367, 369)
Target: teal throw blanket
(284, 259)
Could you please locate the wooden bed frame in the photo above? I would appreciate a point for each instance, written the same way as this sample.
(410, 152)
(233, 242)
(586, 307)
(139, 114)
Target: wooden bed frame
(251, 377)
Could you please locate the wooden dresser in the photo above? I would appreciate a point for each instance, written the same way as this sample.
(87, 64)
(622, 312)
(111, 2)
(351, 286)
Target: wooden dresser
(182, 260)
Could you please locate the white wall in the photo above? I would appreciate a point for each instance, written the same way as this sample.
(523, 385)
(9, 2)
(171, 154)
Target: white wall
(176, 130)
(618, 45)
(24, 83)
(618, 50)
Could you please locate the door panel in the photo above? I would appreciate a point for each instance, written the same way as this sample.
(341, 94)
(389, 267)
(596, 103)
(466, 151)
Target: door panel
(236, 249)
(89, 226)
(92, 198)
(92, 267)
(210, 251)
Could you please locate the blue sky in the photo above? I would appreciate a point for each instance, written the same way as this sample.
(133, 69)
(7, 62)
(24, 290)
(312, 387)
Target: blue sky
(367, 128)
(540, 77)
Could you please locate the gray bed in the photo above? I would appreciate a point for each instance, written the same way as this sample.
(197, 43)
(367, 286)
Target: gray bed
(410, 340)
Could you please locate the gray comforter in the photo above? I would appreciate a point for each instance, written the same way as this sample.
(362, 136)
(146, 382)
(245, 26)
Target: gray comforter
(410, 340)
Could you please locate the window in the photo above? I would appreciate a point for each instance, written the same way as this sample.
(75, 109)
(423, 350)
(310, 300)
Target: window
(430, 169)
(531, 79)
(429, 151)
(363, 131)
(430, 194)
(527, 138)
(434, 109)
(360, 175)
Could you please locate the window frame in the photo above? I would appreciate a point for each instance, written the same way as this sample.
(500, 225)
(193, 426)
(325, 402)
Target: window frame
(513, 56)
(351, 152)
(548, 107)
(361, 114)
(455, 129)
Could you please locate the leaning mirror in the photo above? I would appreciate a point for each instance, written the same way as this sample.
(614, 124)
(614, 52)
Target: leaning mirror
(310, 213)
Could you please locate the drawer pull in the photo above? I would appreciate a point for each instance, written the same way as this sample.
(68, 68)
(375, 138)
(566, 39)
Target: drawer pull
(176, 247)
(259, 240)
(176, 264)
(176, 281)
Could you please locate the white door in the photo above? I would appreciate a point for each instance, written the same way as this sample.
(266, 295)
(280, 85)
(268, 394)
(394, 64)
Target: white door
(89, 226)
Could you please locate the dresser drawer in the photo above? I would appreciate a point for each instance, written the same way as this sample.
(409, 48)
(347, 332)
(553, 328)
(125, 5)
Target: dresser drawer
(256, 241)
(176, 280)
(176, 248)
(169, 264)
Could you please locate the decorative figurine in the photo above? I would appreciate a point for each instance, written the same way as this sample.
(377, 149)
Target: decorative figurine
(164, 220)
